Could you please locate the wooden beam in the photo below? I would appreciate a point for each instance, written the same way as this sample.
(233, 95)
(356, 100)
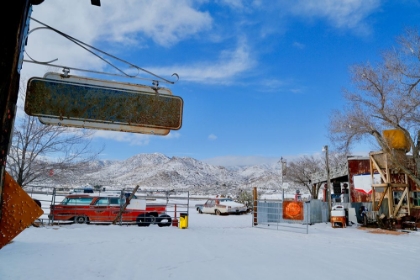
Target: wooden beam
(397, 208)
(373, 200)
(373, 189)
(255, 204)
(398, 185)
(390, 202)
(383, 185)
(13, 22)
(382, 198)
(383, 176)
(122, 209)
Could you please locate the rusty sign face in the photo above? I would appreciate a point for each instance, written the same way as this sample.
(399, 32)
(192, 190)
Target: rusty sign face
(89, 103)
(293, 210)
(18, 210)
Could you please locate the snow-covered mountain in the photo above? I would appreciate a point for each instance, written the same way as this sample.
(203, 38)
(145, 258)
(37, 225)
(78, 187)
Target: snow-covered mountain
(157, 171)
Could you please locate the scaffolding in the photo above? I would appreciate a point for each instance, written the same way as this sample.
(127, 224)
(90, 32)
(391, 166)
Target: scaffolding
(393, 185)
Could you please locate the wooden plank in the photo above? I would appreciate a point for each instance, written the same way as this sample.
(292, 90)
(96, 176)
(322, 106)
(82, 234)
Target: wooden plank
(397, 208)
(399, 185)
(373, 189)
(384, 178)
(255, 204)
(383, 185)
(13, 18)
(382, 198)
(390, 202)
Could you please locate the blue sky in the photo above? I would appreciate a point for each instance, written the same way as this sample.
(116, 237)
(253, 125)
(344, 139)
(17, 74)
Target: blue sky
(259, 79)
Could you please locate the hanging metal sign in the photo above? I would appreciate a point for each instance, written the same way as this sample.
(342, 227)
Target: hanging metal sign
(90, 103)
(103, 126)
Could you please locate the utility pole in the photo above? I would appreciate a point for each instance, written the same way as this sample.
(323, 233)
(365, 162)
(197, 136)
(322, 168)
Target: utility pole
(283, 173)
(13, 22)
(328, 178)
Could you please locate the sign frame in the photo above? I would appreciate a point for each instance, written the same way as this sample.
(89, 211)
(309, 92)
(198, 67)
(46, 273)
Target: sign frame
(105, 105)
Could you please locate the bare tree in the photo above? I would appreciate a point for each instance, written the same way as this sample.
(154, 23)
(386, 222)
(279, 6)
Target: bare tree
(301, 170)
(385, 96)
(40, 152)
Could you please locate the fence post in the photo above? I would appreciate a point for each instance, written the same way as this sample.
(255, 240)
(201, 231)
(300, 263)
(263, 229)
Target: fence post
(308, 215)
(255, 196)
(51, 220)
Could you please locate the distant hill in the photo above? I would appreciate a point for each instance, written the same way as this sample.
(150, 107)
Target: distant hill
(157, 171)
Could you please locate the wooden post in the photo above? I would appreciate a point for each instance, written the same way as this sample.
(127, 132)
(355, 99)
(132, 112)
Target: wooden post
(125, 205)
(373, 194)
(255, 198)
(328, 180)
(13, 22)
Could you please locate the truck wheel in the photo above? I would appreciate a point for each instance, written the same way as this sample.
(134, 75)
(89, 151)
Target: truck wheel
(164, 220)
(143, 220)
(152, 218)
(365, 221)
(80, 219)
(217, 212)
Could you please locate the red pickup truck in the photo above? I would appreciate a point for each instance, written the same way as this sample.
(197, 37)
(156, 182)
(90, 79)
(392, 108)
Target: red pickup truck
(86, 208)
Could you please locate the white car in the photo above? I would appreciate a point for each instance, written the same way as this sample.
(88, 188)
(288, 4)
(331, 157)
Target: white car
(222, 206)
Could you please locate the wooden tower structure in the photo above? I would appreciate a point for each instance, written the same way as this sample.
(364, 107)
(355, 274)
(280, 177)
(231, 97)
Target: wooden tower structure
(394, 183)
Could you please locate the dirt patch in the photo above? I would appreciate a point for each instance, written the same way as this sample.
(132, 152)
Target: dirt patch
(382, 231)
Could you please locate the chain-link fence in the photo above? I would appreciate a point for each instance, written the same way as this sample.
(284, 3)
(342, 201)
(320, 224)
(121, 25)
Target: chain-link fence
(270, 214)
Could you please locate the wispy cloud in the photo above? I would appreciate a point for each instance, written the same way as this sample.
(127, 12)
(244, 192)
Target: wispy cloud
(345, 14)
(283, 86)
(134, 139)
(212, 137)
(124, 22)
(229, 64)
(173, 135)
(165, 22)
(235, 4)
(298, 45)
(130, 138)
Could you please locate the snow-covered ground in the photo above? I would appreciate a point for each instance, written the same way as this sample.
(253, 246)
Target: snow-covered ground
(226, 247)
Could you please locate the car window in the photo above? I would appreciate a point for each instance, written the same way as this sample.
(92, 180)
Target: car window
(115, 201)
(102, 201)
(77, 201)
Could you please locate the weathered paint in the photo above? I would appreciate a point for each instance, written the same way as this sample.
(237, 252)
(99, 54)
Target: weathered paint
(19, 211)
(91, 103)
(358, 167)
(104, 126)
(293, 210)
